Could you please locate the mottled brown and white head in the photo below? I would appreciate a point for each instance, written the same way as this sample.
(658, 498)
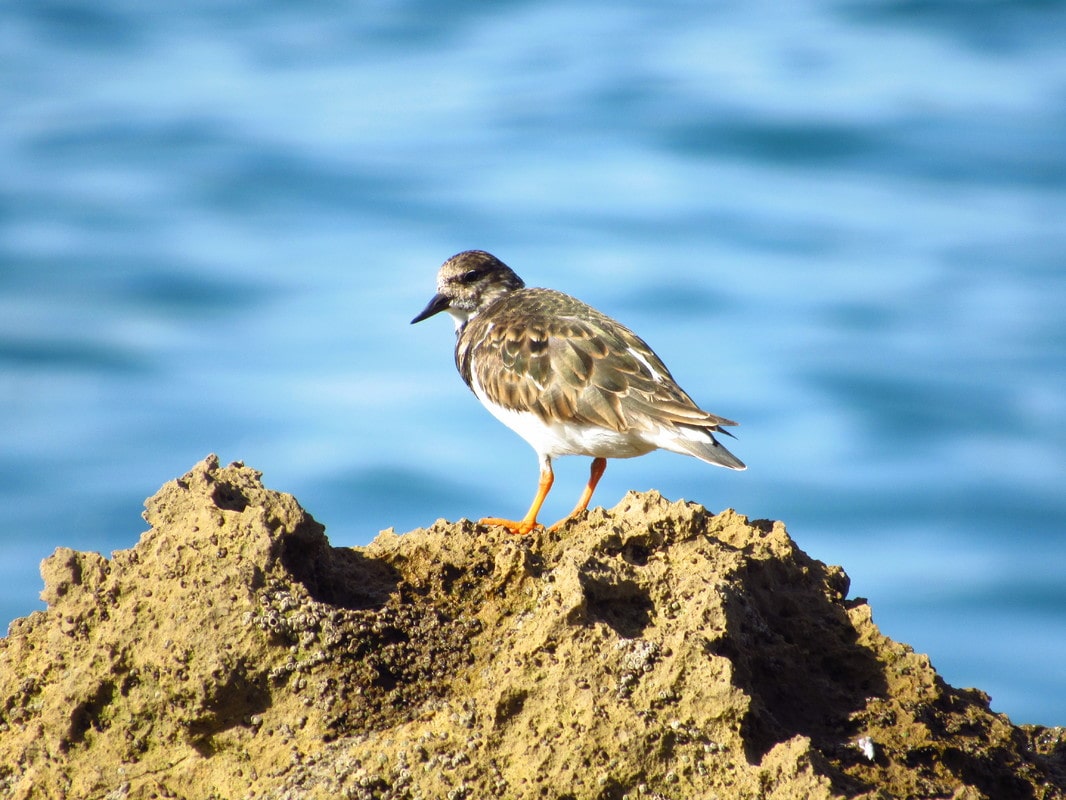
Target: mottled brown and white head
(467, 283)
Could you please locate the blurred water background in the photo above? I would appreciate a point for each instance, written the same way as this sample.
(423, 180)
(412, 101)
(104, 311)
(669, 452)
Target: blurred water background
(841, 223)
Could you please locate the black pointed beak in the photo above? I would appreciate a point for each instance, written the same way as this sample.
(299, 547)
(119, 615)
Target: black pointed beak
(438, 304)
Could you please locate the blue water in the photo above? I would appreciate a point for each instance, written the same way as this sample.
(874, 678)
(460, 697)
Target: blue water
(842, 224)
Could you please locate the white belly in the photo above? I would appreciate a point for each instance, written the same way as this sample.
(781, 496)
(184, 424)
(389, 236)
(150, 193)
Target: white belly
(565, 439)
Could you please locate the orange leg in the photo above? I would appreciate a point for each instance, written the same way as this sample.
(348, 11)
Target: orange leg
(529, 521)
(599, 466)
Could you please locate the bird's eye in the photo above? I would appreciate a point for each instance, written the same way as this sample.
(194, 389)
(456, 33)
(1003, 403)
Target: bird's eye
(471, 276)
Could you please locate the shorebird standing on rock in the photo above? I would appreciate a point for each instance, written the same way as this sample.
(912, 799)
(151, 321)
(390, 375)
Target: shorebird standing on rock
(566, 378)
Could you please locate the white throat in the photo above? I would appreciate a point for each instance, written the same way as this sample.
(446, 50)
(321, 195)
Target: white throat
(460, 317)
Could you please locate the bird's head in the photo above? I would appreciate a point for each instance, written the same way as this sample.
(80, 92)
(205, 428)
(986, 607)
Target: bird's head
(467, 283)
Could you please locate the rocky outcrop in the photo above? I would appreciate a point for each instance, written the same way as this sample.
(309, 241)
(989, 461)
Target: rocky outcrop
(654, 650)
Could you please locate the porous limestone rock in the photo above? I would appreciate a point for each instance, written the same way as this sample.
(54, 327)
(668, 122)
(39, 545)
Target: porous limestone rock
(654, 650)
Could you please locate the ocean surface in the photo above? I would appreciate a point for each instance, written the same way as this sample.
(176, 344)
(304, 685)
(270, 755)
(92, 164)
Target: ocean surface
(842, 224)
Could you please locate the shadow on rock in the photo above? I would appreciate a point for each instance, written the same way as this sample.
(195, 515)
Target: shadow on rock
(337, 576)
(625, 606)
(795, 653)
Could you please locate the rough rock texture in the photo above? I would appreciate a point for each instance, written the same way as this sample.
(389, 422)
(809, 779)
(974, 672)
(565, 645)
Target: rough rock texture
(651, 651)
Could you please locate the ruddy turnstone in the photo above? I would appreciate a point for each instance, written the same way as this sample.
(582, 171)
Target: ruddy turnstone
(566, 378)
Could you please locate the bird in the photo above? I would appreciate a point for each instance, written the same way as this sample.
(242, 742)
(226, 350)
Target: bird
(565, 377)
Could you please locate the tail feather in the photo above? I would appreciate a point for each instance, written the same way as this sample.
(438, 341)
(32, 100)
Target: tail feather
(700, 442)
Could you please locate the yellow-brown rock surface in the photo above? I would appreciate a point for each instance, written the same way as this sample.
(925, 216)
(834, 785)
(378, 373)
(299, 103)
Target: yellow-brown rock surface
(654, 650)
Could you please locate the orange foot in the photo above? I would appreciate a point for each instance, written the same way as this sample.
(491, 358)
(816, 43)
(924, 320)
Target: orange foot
(520, 528)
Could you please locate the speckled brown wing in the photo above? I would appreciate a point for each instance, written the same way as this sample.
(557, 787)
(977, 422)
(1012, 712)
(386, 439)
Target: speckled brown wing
(543, 351)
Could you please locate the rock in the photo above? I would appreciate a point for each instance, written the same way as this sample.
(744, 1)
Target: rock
(654, 650)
